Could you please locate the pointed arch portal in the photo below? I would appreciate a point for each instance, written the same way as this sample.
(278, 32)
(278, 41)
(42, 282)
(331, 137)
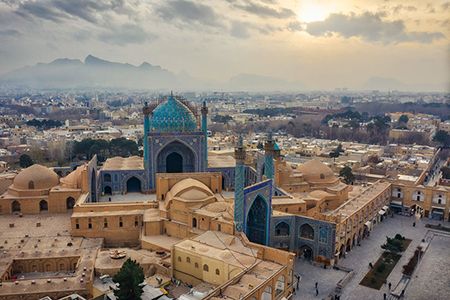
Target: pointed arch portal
(174, 163)
(133, 185)
(257, 217)
(176, 157)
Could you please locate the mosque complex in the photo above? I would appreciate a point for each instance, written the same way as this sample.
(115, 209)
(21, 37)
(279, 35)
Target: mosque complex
(173, 211)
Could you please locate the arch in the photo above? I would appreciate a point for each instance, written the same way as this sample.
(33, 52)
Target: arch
(43, 205)
(341, 251)
(367, 212)
(349, 226)
(397, 193)
(108, 190)
(93, 183)
(188, 260)
(282, 229)
(194, 222)
(217, 272)
(299, 209)
(31, 184)
(267, 294)
(371, 208)
(355, 221)
(196, 265)
(439, 198)
(279, 285)
(306, 232)
(343, 230)
(179, 258)
(257, 219)
(282, 246)
(306, 252)
(15, 206)
(223, 182)
(133, 185)
(322, 176)
(205, 268)
(418, 196)
(349, 244)
(174, 163)
(187, 153)
(70, 203)
(107, 177)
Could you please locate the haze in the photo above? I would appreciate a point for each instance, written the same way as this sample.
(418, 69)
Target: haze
(323, 44)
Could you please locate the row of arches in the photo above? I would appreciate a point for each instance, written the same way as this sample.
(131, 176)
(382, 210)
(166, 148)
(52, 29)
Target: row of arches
(418, 195)
(284, 229)
(133, 184)
(43, 205)
(268, 290)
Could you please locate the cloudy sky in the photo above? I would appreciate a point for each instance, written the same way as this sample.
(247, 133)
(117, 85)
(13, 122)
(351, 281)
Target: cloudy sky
(324, 43)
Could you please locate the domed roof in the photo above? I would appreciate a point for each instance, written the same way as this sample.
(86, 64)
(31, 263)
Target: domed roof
(173, 116)
(36, 177)
(316, 171)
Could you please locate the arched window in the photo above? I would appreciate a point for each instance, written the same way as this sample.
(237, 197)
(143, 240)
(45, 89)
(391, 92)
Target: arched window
(307, 232)
(107, 178)
(349, 226)
(105, 223)
(439, 199)
(343, 230)
(417, 196)
(286, 209)
(136, 222)
(89, 223)
(282, 229)
(31, 184)
(322, 176)
(356, 221)
(188, 260)
(219, 227)
(43, 205)
(397, 193)
(217, 272)
(205, 268)
(70, 203)
(179, 258)
(267, 294)
(299, 209)
(15, 206)
(196, 265)
(77, 224)
(120, 222)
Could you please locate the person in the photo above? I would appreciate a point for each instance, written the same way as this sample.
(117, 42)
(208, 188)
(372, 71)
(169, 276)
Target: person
(317, 291)
(293, 291)
(402, 294)
(389, 284)
(384, 296)
(414, 224)
(370, 266)
(316, 284)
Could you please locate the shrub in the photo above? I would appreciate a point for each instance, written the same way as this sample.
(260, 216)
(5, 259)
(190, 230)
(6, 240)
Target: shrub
(399, 237)
(381, 267)
(373, 280)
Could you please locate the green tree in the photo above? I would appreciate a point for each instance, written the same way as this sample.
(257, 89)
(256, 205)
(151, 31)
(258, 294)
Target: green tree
(347, 174)
(393, 245)
(445, 172)
(441, 136)
(25, 161)
(403, 119)
(129, 278)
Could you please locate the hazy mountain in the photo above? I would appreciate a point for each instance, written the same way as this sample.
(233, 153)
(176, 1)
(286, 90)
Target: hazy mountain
(94, 72)
(252, 82)
(385, 84)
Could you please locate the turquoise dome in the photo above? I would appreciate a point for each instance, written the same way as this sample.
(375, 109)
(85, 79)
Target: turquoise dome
(172, 116)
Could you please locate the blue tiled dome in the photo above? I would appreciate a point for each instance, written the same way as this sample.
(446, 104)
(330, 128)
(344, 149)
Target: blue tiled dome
(172, 116)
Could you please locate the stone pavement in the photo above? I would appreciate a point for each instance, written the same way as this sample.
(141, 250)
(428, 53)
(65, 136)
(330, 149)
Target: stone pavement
(359, 258)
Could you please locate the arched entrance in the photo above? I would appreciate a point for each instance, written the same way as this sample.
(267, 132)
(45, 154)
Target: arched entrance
(174, 163)
(194, 222)
(306, 252)
(43, 205)
(108, 190)
(176, 157)
(93, 185)
(282, 229)
(133, 185)
(70, 203)
(15, 206)
(349, 245)
(257, 221)
(223, 183)
(341, 251)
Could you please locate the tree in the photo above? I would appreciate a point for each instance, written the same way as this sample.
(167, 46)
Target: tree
(441, 136)
(25, 161)
(394, 245)
(445, 172)
(403, 119)
(347, 174)
(129, 278)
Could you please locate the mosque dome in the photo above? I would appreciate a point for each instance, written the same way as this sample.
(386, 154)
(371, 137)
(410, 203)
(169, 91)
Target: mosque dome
(36, 177)
(316, 171)
(173, 116)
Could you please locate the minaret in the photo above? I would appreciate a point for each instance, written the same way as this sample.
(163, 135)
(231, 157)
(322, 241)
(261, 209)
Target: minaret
(204, 111)
(239, 155)
(146, 110)
(269, 147)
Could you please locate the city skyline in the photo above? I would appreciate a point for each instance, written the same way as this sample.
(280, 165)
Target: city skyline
(320, 43)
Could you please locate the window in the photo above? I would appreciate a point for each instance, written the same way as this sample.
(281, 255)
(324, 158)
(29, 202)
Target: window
(136, 221)
(105, 223)
(107, 178)
(179, 258)
(322, 176)
(188, 260)
(299, 209)
(205, 268)
(90, 223)
(77, 225)
(1, 208)
(306, 231)
(120, 222)
(196, 265)
(217, 272)
(219, 227)
(31, 184)
(286, 209)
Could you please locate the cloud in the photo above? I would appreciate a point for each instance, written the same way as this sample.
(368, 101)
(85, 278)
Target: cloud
(370, 27)
(189, 12)
(9, 32)
(126, 34)
(295, 26)
(240, 30)
(265, 11)
(40, 10)
(400, 7)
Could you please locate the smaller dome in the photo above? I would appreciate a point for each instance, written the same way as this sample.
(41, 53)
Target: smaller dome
(36, 177)
(217, 207)
(316, 171)
(225, 254)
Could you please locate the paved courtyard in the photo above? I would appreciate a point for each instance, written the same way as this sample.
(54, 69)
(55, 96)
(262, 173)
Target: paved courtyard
(359, 258)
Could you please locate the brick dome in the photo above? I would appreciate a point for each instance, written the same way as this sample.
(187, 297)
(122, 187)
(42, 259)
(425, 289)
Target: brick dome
(36, 177)
(316, 171)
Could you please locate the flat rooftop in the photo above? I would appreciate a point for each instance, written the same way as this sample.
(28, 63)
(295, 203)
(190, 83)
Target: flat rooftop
(221, 161)
(119, 163)
(130, 197)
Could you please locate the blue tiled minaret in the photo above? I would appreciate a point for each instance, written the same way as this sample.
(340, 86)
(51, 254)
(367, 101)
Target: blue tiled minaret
(146, 110)
(204, 111)
(269, 147)
(239, 155)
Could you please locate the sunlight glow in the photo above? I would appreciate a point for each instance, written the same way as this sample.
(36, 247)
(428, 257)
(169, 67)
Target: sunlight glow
(312, 11)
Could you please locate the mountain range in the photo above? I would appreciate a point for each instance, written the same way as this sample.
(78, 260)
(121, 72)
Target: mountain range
(97, 73)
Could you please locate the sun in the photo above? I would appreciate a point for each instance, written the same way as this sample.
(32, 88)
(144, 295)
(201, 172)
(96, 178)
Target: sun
(312, 11)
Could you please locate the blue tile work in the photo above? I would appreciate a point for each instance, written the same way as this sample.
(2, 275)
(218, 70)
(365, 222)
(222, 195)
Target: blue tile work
(239, 195)
(260, 165)
(324, 235)
(251, 176)
(263, 189)
(189, 145)
(172, 116)
(119, 179)
(227, 174)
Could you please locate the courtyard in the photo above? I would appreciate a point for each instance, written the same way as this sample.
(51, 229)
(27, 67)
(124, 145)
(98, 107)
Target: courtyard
(438, 287)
